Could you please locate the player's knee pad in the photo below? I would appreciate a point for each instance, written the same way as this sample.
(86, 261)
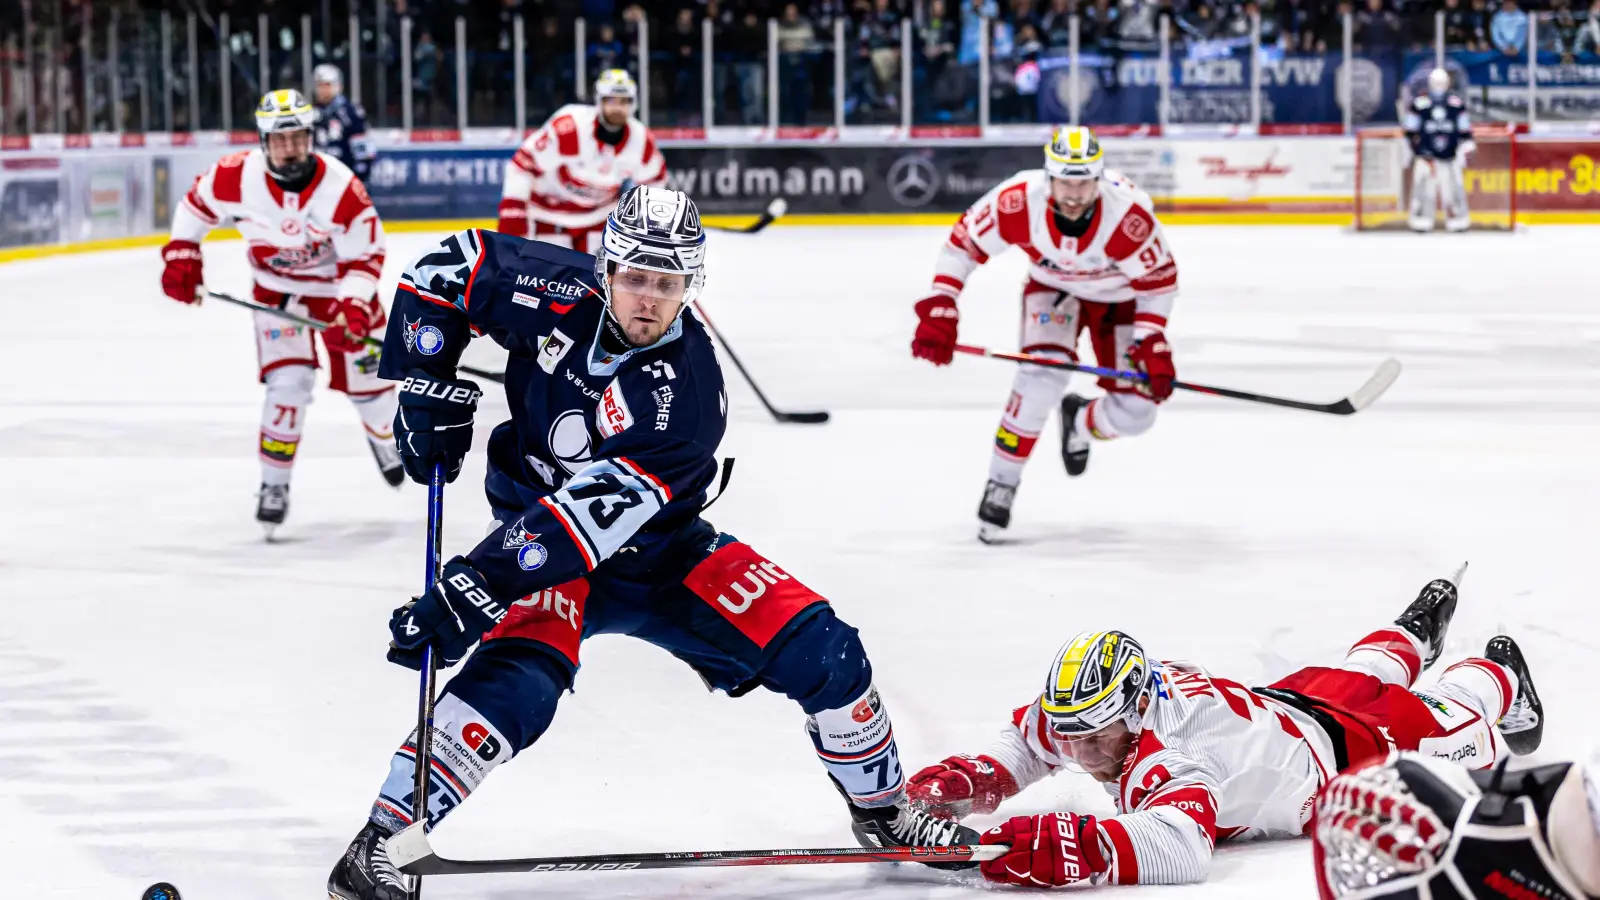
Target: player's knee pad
(515, 685)
(290, 385)
(821, 666)
(1128, 414)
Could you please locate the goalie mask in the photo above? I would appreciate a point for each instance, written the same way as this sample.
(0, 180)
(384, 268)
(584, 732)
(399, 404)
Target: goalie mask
(653, 248)
(1091, 699)
(1415, 827)
(284, 113)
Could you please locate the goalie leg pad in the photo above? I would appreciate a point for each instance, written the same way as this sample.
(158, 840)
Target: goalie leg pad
(1424, 195)
(1458, 216)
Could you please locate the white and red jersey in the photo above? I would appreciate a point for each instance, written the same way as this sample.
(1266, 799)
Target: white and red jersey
(325, 241)
(1214, 761)
(571, 178)
(1122, 256)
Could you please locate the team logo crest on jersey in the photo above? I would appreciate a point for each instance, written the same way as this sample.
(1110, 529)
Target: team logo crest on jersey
(424, 339)
(569, 441)
(552, 349)
(530, 553)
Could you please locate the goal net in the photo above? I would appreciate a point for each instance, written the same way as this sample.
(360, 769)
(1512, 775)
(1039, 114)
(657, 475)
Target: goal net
(1383, 180)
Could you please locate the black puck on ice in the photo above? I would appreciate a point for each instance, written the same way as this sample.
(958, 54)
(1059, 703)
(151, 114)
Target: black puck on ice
(160, 891)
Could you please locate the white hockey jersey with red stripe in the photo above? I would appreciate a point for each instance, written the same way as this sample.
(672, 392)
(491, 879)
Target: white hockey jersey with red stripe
(569, 177)
(325, 241)
(1214, 761)
(1122, 256)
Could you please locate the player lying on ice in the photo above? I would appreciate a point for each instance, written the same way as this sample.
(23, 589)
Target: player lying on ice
(597, 483)
(1190, 758)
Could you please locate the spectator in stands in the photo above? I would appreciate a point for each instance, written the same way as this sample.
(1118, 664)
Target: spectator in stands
(425, 57)
(943, 86)
(1509, 29)
(1299, 23)
(1056, 23)
(1563, 31)
(605, 50)
(683, 69)
(881, 30)
(1377, 29)
(747, 40)
(796, 39)
(1097, 27)
(1022, 13)
(1463, 27)
(632, 15)
(551, 62)
(1589, 34)
(1200, 23)
(972, 17)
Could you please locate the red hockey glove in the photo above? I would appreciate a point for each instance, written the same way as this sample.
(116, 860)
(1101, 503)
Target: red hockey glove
(937, 321)
(1051, 850)
(1152, 355)
(513, 218)
(182, 277)
(350, 326)
(960, 786)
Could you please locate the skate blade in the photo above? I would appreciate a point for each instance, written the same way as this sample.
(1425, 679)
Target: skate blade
(268, 529)
(991, 534)
(1460, 573)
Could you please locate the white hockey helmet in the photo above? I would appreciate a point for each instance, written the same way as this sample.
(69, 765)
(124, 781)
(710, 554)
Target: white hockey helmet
(1095, 681)
(279, 112)
(656, 230)
(616, 83)
(1074, 153)
(327, 73)
(1438, 82)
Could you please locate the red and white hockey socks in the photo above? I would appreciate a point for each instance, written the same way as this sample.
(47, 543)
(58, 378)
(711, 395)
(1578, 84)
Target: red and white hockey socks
(283, 417)
(856, 744)
(377, 414)
(1470, 698)
(466, 748)
(1393, 655)
(1035, 392)
(1115, 415)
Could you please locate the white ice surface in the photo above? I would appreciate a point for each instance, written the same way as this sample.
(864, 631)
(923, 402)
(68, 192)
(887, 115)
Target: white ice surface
(181, 701)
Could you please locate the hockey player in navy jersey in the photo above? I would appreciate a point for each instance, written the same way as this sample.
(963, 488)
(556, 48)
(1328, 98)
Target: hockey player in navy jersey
(341, 123)
(597, 483)
(1440, 132)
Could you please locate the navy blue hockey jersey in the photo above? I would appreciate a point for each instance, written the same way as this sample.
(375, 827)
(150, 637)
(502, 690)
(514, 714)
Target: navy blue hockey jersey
(342, 132)
(1437, 128)
(605, 455)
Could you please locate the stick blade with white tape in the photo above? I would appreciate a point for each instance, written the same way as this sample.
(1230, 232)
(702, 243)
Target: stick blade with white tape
(1388, 372)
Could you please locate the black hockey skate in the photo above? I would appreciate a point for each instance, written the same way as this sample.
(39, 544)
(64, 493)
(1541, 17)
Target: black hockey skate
(365, 873)
(1428, 617)
(994, 512)
(272, 507)
(388, 458)
(906, 826)
(1074, 446)
(1523, 725)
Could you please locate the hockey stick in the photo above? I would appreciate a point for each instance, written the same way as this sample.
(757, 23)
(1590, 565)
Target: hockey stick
(496, 377)
(1363, 396)
(772, 213)
(424, 741)
(410, 851)
(798, 418)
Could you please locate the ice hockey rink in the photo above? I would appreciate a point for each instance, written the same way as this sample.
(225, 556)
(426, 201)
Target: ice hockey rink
(184, 702)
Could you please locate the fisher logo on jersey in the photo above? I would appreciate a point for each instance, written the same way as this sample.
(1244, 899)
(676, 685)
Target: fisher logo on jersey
(530, 553)
(424, 339)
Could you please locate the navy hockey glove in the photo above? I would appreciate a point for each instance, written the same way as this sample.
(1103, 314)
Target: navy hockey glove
(434, 424)
(451, 617)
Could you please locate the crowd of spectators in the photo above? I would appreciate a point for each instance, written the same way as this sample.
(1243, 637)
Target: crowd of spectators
(42, 50)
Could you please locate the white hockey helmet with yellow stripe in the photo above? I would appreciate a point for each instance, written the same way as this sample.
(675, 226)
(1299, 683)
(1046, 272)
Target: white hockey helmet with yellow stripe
(1096, 680)
(1074, 153)
(284, 110)
(616, 83)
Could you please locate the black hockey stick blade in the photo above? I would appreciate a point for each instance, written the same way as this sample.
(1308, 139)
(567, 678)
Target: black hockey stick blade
(410, 851)
(782, 416)
(485, 374)
(772, 213)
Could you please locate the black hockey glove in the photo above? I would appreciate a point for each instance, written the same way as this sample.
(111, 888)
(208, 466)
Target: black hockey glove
(434, 424)
(451, 617)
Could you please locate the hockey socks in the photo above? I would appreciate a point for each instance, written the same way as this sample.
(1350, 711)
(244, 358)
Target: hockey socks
(466, 748)
(283, 417)
(856, 744)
